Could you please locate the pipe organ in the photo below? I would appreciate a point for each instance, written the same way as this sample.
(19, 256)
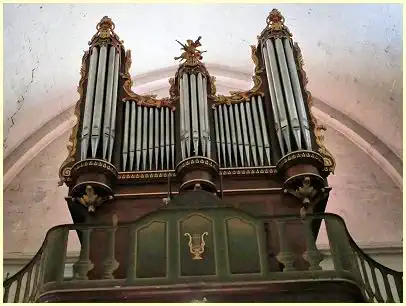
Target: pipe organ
(98, 130)
(126, 143)
(148, 138)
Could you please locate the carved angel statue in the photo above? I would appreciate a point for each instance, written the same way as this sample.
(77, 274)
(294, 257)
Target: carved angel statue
(191, 54)
(91, 200)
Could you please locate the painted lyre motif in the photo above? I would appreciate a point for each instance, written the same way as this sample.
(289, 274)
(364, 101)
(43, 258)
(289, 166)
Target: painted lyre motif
(196, 244)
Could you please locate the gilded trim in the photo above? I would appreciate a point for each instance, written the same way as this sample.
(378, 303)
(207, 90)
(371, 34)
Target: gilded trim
(328, 158)
(242, 96)
(71, 146)
(146, 100)
(275, 27)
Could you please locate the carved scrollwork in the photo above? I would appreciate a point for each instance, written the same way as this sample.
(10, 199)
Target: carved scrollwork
(91, 200)
(71, 146)
(146, 100)
(329, 161)
(242, 96)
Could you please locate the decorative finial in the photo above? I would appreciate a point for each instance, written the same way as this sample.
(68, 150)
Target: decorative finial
(105, 27)
(275, 26)
(192, 56)
(105, 30)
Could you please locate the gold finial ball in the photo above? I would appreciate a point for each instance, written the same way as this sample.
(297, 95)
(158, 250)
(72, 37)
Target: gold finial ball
(275, 17)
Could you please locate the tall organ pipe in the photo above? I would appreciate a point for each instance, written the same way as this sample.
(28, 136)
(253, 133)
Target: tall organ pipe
(132, 134)
(98, 104)
(233, 133)
(222, 133)
(144, 138)
(294, 119)
(125, 140)
(195, 127)
(227, 128)
(151, 136)
(206, 133)
(202, 114)
(172, 139)
(162, 136)
(251, 132)
(167, 139)
(263, 127)
(297, 93)
(89, 103)
(140, 128)
(239, 132)
(109, 96)
(182, 118)
(216, 128)
(156, 140)
(186, 112)
(257, 131)
(275, 111)
(244, 129)
(279, 94)
(114, 105)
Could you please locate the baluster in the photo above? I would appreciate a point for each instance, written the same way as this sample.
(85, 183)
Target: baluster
(312, 255)
(110, 264)
(378, 294)
(285, 257)
(367, 286)
(17, 293)
(387, 288)
(83, 265)
(35, 283)
(399, 286)
(27, 286)
(6, 293)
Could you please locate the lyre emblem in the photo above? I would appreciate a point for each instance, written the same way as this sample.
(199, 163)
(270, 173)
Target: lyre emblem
(196, 244)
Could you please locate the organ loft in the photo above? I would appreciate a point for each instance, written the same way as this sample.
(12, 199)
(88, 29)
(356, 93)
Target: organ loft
(198, 196)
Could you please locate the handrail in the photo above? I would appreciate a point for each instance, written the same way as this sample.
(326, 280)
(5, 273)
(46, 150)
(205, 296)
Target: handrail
(353, 260)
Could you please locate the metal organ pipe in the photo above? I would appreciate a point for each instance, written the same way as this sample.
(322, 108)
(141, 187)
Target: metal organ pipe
(140, 128)
(156, 140)
(202, 114)
(275, 111)
(290, 100)
(109, 96)
(239, 131)
(222, 133)
(162, 135)
(206, 132)
(132, 134)
(167, 136)
(257, 131)
(186, 112)
(144, 138)
(151, 136)
(227, 132)
(125, 135)
(98, 107)
(172, 124)
(182, 118)
(114, 105)
(263, 127)
(88, 103)
(216, 128)
(297, 91)
(251, 132)
(195, 120)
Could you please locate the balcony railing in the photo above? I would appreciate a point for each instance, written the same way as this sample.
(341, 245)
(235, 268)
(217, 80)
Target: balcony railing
(284, 258)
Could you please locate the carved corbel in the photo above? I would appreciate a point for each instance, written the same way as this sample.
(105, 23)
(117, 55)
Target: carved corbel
(91, 200)
(308, 193)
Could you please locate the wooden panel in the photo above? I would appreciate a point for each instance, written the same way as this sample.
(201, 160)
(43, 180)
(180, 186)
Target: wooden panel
(192, 231)
(243, 246)
(151, 250)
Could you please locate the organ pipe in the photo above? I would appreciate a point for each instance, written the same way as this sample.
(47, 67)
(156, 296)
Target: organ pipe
(202, 114)
(132, 134)
(89, 103)
(297, 93)
(140, 127)
(257, 131)
(290, 101)
(279, 94)
(244, 130)
(195, 126)
(263, 128)
(98, 104)
(114, 106)
(239, 132)
(109, 96)
(125, 140)
(216, 128)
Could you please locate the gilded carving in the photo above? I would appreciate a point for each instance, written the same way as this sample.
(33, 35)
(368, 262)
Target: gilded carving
(242, 96)
(275, 27)
(105, 31)
(71, 146)
(328, 159)
(191, 55)
(144, 100)
(196, 244)
(91, 200)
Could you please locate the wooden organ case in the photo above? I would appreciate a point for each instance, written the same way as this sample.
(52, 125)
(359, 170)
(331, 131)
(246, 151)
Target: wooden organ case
(259, 151)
